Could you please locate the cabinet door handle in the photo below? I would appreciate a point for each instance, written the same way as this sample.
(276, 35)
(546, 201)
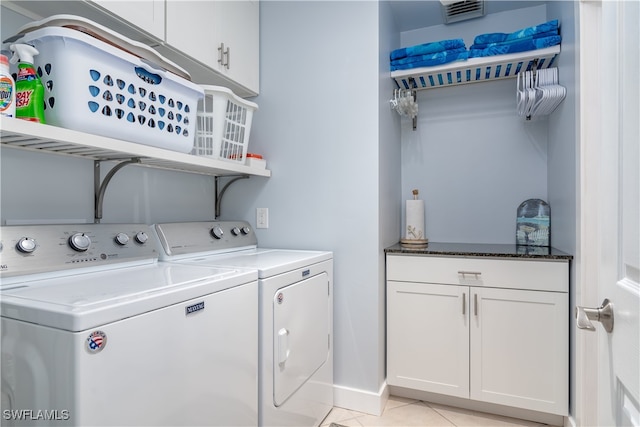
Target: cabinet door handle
(476, 274)
(221, 56)
(464, 304)
(475, 304)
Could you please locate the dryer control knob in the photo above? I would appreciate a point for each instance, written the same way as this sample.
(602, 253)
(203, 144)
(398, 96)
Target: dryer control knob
(217, 232)
(235, 231)
(79, 242)
(245, 230)
(26, 245)
(121, 239)
(141, 237)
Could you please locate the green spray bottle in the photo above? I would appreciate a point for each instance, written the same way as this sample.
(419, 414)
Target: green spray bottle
(29, 89)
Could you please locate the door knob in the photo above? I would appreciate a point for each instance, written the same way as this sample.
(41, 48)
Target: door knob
(603, 314)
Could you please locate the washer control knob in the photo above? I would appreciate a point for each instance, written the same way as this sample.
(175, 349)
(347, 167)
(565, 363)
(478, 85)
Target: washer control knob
(245, 230)
(235, 231)
(79, 242)
(217, 232)
(26, 245)
(141, 237)
(121, 239)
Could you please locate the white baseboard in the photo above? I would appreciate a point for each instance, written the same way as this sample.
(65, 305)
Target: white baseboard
(361, 400)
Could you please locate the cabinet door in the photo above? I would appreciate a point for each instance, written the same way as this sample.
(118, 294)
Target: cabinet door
(200, 28)
(192, 27)
(519, 348)
(240, 33)
(147, 15)
(428, 337)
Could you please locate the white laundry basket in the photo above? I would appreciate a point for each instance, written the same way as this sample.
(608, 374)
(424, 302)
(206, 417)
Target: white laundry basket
(224, 125)
(94, 87)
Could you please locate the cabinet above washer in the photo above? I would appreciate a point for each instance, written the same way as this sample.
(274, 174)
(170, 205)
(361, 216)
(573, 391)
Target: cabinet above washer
(171, 27)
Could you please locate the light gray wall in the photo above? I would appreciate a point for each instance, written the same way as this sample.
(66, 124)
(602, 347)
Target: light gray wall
(389, 164)
(319, 131)
(46, 188)
(473, 159)
(563, 169)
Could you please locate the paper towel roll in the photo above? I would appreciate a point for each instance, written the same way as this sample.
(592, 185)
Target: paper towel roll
(415, 220)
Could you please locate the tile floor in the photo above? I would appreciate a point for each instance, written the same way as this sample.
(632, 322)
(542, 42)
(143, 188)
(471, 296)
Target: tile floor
(409, 412)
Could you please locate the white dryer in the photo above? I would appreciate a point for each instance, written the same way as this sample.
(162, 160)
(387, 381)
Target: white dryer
(96, 332)
(296, 314)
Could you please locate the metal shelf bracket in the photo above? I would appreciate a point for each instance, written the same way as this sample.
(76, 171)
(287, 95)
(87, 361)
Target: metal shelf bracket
(220, 193)
(101, 187)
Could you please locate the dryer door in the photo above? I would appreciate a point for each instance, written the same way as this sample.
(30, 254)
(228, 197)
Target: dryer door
(300, 335)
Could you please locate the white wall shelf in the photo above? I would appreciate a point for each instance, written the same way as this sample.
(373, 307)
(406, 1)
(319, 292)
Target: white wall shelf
(26, 135)
(475, 70)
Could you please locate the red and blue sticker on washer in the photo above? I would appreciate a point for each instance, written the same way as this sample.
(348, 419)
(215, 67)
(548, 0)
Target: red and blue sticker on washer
(96, 341)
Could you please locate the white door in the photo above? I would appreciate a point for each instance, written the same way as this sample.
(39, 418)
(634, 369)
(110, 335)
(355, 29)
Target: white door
(608, 364)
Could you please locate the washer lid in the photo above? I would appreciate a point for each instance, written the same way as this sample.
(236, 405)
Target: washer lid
(83, 301)
(268, 262)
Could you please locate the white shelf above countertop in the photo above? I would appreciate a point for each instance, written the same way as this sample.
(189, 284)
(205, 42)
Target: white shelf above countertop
(25, 135)
(475, 70)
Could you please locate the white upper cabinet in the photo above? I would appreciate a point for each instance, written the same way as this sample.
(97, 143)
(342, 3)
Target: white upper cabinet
(240, 33)
(147, 15)
(222, 35)
(190, 33)
(191, 28)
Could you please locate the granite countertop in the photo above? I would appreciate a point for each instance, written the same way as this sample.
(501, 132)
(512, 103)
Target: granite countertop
(480, 250)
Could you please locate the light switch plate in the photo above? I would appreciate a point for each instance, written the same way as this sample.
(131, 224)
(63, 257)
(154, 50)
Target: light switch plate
(262, 217)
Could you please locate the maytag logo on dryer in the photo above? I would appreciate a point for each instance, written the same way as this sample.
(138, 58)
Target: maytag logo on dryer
(4, 267)
(190, 309)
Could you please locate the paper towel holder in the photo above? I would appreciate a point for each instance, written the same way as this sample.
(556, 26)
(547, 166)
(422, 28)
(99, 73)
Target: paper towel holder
(418, 240)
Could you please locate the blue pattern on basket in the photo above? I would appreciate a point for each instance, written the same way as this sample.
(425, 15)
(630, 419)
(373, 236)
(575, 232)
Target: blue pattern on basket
(119, 99)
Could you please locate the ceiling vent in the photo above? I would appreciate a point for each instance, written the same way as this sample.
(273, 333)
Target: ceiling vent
(456, 11)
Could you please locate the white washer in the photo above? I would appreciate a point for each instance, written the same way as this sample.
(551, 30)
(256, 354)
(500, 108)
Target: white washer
(96, 332)
(296, 314)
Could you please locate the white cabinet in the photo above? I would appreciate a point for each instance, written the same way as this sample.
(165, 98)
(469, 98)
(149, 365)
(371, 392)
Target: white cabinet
(187, 32)
(474, 328)
(519, 348)
(147, 15)
(428, 337)
(223, 35)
